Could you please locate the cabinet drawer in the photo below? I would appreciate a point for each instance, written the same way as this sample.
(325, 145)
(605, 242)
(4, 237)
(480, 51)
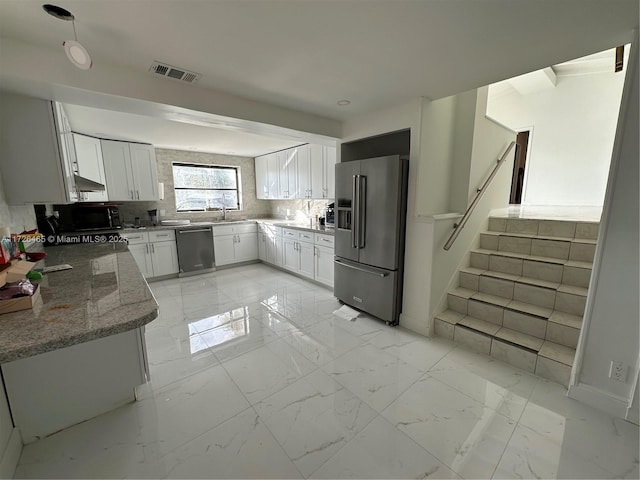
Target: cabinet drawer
(162, 236)
(136, 237)
(305, 236)
(219, 230)
(324, 240)
(289, 233)
(246, 228)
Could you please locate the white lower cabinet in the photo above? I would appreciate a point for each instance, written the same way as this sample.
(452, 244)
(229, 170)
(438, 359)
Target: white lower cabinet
(298, 252)
(155, 252)
(324, 265)
(235, 243)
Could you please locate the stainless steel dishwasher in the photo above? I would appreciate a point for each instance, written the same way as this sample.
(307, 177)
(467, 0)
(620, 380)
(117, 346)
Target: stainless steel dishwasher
(195, 250)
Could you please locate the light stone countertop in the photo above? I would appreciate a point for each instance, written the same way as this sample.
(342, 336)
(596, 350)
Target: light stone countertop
(102, 295)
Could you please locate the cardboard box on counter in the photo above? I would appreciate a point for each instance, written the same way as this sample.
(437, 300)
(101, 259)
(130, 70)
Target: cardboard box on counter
(14, 273)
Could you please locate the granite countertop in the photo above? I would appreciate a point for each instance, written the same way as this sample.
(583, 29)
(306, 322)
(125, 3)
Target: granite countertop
(103, 294)
(298, 226)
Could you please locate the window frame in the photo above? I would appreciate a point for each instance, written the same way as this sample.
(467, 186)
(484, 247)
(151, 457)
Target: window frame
(238, 190)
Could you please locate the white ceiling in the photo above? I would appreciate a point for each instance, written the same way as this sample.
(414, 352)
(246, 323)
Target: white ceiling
(305, 55)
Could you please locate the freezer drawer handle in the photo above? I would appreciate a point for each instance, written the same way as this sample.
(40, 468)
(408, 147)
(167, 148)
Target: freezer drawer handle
(379, 274)
(195, 231)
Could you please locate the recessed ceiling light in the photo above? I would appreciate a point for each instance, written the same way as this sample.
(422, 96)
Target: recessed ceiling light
(344, 103)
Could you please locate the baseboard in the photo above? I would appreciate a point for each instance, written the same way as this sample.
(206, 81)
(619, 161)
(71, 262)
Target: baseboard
(11, 455)
(414, 324)
(594, 397)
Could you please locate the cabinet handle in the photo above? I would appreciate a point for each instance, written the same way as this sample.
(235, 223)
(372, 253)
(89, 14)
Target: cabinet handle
(138, 194)
(325, 240)
(238, 237)
(131, 194)
(146, 248)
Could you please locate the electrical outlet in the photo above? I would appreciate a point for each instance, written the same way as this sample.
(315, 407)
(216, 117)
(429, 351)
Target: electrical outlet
(618, 371)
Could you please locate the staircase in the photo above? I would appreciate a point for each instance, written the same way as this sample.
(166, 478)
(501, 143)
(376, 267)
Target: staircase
(522, 298)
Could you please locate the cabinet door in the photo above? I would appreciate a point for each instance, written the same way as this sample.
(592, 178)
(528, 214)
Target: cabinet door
(246, 247)
(117, 167)
(290, 255)
(278, 251)
(145, 173)
(142, 257)
(223, 248)
(316, 163)
(306, 259)
(283, 176)
(90, 164)
(324, 265)
(273, 175)
(262, 178)
(164, 258)
(262, 246)
(304, 184)
(329, 166)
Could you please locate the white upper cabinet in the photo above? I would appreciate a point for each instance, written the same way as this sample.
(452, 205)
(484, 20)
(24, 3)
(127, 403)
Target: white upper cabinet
(303, 172)
(35, 167)
(131, 171)
(90, 165)
(262, 179)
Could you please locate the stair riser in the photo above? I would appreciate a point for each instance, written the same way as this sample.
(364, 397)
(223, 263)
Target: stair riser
(560, 249)
(548, 228)
(538, 270)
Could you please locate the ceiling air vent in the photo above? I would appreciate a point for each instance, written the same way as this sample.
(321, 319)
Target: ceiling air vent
(174, 72)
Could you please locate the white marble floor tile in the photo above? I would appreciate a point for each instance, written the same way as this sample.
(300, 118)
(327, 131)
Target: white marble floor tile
(531, 455)
(376, 377)
(183, 410)
(242, 447)
(313, 418)
(411, 347)
(463, 434)
(265, 370)
(609, 442)
(108, 446)
(381, 451)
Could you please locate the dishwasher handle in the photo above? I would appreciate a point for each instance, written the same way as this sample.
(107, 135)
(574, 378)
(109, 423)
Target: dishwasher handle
(195, 230)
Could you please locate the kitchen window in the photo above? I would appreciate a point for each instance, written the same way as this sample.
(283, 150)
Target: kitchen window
(199, 188)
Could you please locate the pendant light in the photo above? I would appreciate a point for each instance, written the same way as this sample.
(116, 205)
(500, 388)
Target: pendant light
(75, 52)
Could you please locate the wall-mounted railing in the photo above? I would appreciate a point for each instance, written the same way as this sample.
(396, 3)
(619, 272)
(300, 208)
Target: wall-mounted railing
(457, 227)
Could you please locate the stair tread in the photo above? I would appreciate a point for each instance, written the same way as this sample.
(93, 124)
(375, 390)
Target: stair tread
(500, 275)
(473, 270)
(586, 241)
(535, 236)
(521, 256)
(450, 316)
(566, 319)
(493, 299)
(558, 353)
(519, 338)
(538, 283)
(579, 264)
(535, 310)
(480, 325)
(539, 258)
(462, 292)
(573, 290)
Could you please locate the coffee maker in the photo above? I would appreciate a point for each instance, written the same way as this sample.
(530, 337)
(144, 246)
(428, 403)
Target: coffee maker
(329, 215)
(153, 216)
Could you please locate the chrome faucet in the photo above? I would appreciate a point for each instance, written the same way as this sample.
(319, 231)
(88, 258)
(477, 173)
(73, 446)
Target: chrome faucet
(224, 208)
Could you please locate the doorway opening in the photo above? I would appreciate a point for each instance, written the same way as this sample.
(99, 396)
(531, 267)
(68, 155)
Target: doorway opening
(517, 179)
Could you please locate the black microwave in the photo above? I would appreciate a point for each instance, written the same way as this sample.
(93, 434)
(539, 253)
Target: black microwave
(95, 217)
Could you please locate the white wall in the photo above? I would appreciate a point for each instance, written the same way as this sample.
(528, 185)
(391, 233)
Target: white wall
(611, 327)
(573, 124)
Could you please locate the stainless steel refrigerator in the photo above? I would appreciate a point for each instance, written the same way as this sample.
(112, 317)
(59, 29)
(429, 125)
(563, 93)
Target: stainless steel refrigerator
(371, 207)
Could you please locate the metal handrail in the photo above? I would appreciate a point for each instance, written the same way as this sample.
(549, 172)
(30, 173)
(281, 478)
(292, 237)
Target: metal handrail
(457, 227)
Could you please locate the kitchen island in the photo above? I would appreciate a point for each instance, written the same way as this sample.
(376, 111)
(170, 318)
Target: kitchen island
(80, 351)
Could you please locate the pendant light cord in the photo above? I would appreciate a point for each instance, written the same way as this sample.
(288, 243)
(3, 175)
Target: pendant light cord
(75, 36)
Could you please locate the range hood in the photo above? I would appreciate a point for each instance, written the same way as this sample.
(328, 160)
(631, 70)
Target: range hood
(85, 185)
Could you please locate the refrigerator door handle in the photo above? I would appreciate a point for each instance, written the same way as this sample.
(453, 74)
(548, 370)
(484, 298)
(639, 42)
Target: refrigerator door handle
(354, 212)
(362, 206)
(379, 274)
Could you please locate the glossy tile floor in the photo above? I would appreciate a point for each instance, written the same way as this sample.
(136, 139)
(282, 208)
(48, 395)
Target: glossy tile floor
(252, 376)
